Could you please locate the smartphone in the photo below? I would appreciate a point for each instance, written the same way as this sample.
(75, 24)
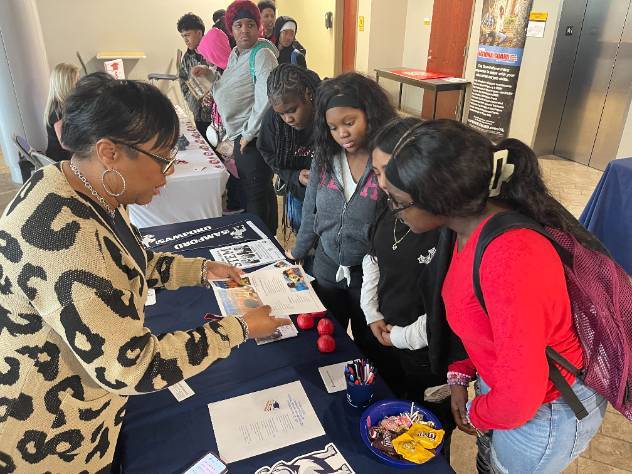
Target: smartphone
(209, 464)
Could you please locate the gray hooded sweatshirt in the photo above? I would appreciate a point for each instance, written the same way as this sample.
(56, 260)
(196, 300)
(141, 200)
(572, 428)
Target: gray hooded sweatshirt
(242, 101)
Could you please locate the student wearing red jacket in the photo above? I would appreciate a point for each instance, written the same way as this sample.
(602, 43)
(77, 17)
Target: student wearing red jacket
(446, 174)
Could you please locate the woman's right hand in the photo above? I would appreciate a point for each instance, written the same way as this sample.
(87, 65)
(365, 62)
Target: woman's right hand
(200, 70)
(458, 399)
(377, 328)
(303, 177)
(261, 324)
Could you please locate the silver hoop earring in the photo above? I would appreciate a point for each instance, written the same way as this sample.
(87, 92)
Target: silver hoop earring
(109, 191)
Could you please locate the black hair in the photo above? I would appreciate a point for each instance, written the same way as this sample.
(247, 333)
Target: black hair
(127, 112)
(374, 103)
(190, 21)
(289, 81)
(447, 167)
(263, 4)
(218, 15)
(386, 140)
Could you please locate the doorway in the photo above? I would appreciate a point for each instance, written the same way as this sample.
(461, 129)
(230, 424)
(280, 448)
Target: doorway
(590, 83)
(447, 51)
(349, 20)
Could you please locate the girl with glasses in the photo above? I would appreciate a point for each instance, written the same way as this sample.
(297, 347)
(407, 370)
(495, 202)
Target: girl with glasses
(458, 179)
(75, 278)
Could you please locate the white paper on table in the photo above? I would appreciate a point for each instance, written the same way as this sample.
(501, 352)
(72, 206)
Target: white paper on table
(248, 254)
(287, 290)
(454, 79)
(263, 421)
(285, 264)
(334, 376)
(151, 297)
(181, 390)
(282, 332)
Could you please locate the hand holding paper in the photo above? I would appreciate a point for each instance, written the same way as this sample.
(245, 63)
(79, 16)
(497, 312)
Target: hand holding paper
(216, 270)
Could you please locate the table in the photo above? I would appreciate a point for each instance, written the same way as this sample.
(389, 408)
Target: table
(412, 76)
(193, 191)
(161, 435)
(608, 213)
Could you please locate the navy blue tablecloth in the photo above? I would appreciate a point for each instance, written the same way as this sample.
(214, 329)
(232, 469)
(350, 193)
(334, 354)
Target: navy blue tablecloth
(608, 214)
(160, 434)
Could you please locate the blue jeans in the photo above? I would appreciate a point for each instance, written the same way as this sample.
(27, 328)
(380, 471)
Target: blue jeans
(547, 443)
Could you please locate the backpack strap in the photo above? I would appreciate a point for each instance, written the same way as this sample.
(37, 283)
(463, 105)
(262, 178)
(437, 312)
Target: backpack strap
(495, 226)
(259, 45)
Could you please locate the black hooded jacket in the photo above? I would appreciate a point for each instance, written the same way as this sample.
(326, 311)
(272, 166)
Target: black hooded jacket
(285, 54)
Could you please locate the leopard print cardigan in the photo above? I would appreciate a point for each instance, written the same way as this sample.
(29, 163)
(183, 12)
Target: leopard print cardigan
(73, 345)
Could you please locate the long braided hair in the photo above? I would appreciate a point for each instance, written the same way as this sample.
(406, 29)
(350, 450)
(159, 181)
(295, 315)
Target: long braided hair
(289, 81)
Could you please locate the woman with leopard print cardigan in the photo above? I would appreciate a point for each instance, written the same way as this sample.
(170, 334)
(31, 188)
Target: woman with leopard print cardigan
(74, 280)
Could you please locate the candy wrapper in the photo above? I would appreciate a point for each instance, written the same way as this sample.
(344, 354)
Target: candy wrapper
(406, 436)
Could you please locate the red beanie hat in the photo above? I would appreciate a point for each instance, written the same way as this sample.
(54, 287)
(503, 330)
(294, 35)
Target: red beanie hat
(239, 10)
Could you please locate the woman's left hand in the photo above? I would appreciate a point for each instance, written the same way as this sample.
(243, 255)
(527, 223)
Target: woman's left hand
(217, 270)
(386, 339)
(243, 143)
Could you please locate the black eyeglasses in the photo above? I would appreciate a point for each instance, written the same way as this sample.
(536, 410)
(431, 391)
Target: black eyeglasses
(396, 207)
(167, 163)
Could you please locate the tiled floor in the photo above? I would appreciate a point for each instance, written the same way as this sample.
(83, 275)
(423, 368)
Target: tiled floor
(572, 184)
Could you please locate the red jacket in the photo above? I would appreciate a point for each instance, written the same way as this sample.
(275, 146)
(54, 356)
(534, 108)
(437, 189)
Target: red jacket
(522, 279)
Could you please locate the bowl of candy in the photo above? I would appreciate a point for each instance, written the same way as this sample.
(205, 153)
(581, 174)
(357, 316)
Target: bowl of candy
(400, 433)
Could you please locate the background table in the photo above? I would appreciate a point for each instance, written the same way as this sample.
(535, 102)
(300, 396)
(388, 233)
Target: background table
(194, 191)
(161, 435)
(434, 85)
(608, 213)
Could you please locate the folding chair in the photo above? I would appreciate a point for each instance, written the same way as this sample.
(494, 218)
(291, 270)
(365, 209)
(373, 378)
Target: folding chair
(83, 65)
(159, 76)
(41, 159)
(26, 163)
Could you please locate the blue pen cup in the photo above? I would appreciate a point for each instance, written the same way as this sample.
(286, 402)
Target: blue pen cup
(359, 396)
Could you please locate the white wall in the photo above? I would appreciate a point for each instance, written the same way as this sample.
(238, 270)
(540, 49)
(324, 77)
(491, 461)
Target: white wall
(89, 26)
(534, 70)
(319, 41)
(363, 37)
(416, 45)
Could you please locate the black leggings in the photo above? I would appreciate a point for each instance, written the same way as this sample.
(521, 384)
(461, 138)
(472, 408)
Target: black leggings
(255, 178)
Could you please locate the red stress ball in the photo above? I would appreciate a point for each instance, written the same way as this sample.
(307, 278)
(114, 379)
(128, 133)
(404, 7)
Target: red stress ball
(326, 343)
(305, 321)
(325, 326)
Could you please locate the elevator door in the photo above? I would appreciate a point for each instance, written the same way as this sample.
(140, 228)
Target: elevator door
(590, 83)
(596, 56)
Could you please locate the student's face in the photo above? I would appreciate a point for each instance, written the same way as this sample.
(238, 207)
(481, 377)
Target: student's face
(268, 17)
(348, 127)
(380, 159)
(296, 112)
(417, 219)
(246, 33)
(192, 38)
(287, 38)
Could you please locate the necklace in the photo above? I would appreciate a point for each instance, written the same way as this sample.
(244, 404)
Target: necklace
(93, 191)
(397, 241)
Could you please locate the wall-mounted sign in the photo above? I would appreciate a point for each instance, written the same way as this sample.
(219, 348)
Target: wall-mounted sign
(537, 22)
(361, 23)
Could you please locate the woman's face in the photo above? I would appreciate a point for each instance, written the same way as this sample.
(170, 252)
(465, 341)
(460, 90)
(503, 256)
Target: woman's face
(348, 127)
(143, 174)
(287, 38)
(246, 33)
(294, 111)
(417, 219)
(380, 159)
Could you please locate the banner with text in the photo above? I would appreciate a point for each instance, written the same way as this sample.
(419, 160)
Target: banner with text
(501, 42)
